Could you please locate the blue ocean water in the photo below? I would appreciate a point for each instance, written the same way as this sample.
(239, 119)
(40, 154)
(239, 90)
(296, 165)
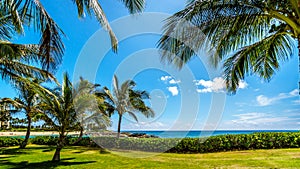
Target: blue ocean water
(198, 134)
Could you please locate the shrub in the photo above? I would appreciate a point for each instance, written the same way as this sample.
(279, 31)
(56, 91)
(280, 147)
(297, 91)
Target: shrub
(10, 141)
(270, 140)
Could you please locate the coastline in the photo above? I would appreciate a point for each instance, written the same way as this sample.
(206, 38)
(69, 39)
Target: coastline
(34, 133)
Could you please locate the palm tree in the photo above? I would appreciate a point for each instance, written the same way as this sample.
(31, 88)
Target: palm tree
(27, 101)
(126, 100)
(15, 14)
(249, 37)
(5, 114)
(31, 12)
(60, 110)
(89, 107)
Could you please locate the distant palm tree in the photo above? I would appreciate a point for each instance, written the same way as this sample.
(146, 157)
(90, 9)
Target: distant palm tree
(5, 114)
(60, 111)
(126, 100)
(89, 108)
(27, 101)
(250, 36)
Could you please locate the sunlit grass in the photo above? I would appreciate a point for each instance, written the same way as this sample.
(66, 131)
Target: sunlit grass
(82, 157)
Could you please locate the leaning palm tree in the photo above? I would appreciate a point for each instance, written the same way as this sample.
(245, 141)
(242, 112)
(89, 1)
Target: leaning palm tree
(27, 101)
(126, 100)
(249, 37)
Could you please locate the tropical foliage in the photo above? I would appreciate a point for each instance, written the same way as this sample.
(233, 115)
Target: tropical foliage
(64, 108)
(26, 102)
(17, 59)
(248, 37)
(126, 100)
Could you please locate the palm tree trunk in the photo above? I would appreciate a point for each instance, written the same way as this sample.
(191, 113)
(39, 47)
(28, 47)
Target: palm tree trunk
(119, 125)
(80, 136)
(56, 156)
(24, 143)
(60, 145)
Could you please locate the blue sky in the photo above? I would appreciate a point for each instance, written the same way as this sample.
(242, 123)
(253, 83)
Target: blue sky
(192, 98)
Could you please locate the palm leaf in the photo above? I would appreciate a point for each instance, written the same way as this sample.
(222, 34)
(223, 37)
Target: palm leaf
(261, 58)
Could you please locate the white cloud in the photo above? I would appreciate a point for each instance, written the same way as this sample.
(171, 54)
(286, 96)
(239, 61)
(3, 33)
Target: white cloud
(255, 118)
(172, 81)
(145, 126)
(165, 78)
(216, 85)
(296, 102)
(169, 79)
(173, 90)
(266, 101)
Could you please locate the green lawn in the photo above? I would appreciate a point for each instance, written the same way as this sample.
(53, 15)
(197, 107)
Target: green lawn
(81, 157)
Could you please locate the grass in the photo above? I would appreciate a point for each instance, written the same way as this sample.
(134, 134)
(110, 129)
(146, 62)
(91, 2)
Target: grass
(36, 156)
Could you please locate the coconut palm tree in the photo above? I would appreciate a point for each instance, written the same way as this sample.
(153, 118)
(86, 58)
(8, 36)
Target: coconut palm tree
(27, 101)
(249, 37)
(5, 114)
(61, 109)
(15, 14)
(32, 12)
(89, 107)
(126, 100)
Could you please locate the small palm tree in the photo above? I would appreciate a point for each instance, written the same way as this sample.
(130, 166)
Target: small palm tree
(126, 100)
(61, 109)
(27, 101)
(88, 107)
(250, 36)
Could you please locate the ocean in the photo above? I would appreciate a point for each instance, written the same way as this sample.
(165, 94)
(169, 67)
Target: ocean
(198, 134)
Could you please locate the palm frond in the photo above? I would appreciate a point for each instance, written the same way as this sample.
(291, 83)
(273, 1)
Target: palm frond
(51, 46)
(134, 6)
(133, 115)
(261, 58)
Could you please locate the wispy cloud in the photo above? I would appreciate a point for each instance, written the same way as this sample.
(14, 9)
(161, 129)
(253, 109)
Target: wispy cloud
(145, 126)
(266, 101)
(296, 102)
(255, 118)
(216, 85)
(173, 90)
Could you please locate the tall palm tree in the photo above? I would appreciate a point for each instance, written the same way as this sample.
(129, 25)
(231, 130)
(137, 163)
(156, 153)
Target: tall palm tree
(249, 37)
(31, 12)
(27, 101)
(60, 111)
(15, 14)
(126, 100)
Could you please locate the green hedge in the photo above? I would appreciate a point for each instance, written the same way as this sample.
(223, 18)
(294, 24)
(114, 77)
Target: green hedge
(238, 142)
(269, 140)
(10, 141)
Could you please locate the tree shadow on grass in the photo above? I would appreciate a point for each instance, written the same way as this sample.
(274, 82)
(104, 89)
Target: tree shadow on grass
(18, 151)
(42, 165)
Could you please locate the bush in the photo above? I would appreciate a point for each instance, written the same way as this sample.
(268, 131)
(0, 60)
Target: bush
(220, 143)
(10, 141)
